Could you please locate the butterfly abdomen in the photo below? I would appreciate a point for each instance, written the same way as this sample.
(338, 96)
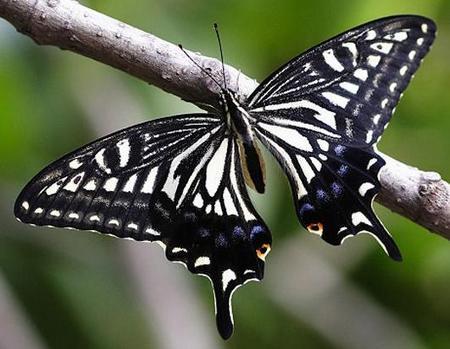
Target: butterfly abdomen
(253, 166)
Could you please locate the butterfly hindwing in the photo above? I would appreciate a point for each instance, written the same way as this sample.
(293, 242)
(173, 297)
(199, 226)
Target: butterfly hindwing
(333, 185)
(177, 182)
(322, 114)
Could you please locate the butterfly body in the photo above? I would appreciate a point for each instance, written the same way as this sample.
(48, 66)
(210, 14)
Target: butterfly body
(240, 125)
(181, 181)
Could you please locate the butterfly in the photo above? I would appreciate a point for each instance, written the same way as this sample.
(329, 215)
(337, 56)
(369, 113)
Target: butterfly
(182, 181)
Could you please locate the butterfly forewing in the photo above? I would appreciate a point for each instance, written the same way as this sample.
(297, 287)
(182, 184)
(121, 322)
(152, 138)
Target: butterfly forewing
(322, 113)
(350, 84)
(177, 182)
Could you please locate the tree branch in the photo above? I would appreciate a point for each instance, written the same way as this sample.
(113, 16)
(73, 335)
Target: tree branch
(420, 196)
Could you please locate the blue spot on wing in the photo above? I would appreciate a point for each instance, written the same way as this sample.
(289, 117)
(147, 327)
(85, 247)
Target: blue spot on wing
(307, 207)
(257, 229)
(339, 150)
(239, 233)
(342, 170)
(336, 189)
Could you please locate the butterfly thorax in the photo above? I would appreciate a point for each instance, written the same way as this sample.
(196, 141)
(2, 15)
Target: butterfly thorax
(238, 121)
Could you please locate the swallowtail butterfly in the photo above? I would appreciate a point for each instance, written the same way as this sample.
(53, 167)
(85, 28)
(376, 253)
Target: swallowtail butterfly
(181, 181)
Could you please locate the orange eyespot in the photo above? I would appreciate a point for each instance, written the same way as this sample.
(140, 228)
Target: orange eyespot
(315, 228)
(263, 251)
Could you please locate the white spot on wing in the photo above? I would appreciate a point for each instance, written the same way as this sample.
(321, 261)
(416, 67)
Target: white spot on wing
(398, 36)
(147, 188)
(215, 168)
(100, 159)
(350, 87)
(129, 185)
(133, 226)
(376, 118)
(90, 186)
(39, 210)
(369, 136)
(53, 189)
(152, 231)
(124, 152)
(73, 215)
(383, 47)
(392, 86)
(290, 136)
(373, 60)
(111, 184)
(358, 218)
(317, 164)
(371, 163)
(26, 205)
(74, 183)
(332, 61)
(178, 250)
(200, 261)
(336, 99)
(363, 188)
(361, 74)
(371, 34)
(323, 144)
(227, 276)
(75, 164)
(229, 204)
(218, 208)
(424, 27)
(403, 70)
(114, 221)
(419, 41)
(94, 218)
(306, 169)
(55, 213)
(412, 54)
(198, 201)
(341, 230)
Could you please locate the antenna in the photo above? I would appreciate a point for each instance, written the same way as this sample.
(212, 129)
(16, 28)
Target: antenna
(199, 66)
(216, 29)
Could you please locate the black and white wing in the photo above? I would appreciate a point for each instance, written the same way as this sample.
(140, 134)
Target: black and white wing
(323, 112)
(177, 182)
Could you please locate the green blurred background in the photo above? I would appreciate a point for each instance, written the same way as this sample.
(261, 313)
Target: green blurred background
(69, 289)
